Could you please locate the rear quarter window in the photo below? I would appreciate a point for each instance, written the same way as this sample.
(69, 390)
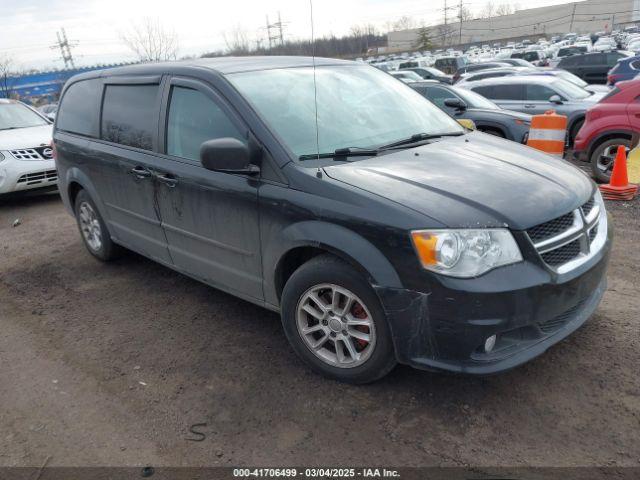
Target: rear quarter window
(129, 115)
(79, 110)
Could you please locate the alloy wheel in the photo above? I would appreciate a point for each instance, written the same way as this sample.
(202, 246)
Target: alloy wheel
(336, 325)
(90, 226)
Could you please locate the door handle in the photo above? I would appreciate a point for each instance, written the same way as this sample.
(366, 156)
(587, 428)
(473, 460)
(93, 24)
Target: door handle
(529, 105)
(140, 172)
(168, 179)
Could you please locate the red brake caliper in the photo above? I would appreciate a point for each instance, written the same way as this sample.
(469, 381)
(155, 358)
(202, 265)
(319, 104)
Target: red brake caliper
(358, 312)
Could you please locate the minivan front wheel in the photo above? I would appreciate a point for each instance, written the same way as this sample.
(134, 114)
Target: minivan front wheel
(93, 229)
(334, 321)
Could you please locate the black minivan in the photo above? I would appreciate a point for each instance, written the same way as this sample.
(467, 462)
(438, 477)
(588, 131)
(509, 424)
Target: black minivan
(326, 190)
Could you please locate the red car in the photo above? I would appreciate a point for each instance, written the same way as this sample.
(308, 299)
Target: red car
(613, 121)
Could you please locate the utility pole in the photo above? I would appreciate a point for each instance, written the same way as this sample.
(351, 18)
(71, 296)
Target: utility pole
(65, 48)
(573, 16)
(275, 31)
(460, 14)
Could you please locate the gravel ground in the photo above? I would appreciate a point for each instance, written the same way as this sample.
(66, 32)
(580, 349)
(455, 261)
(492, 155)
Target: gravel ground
(112, 364)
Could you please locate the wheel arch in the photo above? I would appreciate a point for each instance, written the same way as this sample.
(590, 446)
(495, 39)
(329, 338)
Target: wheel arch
(300, 242)
(610, 135)
(76, 180)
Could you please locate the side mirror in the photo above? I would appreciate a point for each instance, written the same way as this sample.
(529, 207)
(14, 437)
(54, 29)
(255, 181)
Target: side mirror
(455, 103)
(226, 155)
(556, 99)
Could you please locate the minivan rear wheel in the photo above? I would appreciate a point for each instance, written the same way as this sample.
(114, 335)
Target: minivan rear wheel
(335, 323)
(93, 230)
(603, 156)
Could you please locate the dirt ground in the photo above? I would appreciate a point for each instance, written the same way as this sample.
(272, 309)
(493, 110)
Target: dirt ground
(112, 364)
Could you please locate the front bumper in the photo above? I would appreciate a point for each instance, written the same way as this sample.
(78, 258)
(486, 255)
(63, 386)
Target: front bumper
(19, 175)
(528, 308)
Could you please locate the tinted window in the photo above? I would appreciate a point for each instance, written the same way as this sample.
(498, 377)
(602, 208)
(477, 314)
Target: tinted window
(508, 92)
(79, 110)
(486, 92)
(595, 59)
(193, 119)
(538, 93)
(438, 95)
(129, 115)
(613, 57)
(568, 62)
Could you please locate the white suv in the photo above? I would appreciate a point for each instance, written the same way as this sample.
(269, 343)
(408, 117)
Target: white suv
(26, 157)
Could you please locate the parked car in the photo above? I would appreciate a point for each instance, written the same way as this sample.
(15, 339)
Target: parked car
(487, 116)
(535, 57)
(491, 73)
(535, 94)
(570, 77)
(49, 110)
(450, 65)
(427, 73)
(406, 76)
(612, 122)
(379, 228)
(474, 67)
(592, 67)
(626, 69)
(517, 62)
(26, 158)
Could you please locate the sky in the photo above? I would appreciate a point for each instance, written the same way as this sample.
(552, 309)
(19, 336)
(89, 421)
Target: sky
(96, 27)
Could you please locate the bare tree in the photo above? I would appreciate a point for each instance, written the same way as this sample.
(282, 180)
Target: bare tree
(6, 68)
(489, 10)
(504, 9)
(236, 41)
(465, 13)
(403, 23)
(151, 42)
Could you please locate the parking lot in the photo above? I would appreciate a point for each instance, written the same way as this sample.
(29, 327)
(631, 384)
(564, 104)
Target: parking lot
(113, 364)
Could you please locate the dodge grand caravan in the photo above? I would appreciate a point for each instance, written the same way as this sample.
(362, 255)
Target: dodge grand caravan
(328, 191)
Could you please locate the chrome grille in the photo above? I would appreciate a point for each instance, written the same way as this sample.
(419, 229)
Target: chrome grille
(551, 229)
(37, 153)
(566, 241)
(563, 254)
(38, 177)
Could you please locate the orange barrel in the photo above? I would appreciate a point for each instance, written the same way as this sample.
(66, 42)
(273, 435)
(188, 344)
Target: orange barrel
(548, 133)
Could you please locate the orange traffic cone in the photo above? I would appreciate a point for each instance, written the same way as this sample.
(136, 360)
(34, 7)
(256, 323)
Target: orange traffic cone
(618, 187)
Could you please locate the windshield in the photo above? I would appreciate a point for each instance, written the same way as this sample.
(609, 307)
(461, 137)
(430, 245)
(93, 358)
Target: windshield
(475, 100)
(570, 77)
(358, 107)
(16, 115)
(570, 90)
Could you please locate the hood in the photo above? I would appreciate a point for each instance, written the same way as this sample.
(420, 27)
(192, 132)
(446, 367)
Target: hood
(503, 113)
(598, 89)
(28, 137)
(472, 181)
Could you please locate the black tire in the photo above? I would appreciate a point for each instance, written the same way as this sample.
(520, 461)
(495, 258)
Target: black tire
(573, 133)
(327, 269)
(107, 249)
(599, 152)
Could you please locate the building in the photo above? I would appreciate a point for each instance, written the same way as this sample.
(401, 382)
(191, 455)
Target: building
(40, 87)
(579, 17)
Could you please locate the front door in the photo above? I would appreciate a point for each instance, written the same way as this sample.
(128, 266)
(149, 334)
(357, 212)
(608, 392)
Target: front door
(210, 218)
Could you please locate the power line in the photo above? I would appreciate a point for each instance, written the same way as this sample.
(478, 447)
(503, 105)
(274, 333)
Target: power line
(65, 48)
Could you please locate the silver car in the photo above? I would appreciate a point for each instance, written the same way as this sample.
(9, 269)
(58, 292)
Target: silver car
(535, 94)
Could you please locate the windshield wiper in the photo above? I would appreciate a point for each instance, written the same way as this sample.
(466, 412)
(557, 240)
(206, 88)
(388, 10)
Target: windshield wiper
(418, 137)
(341, 152)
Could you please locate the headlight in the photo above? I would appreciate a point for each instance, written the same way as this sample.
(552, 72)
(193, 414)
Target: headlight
(465, 253)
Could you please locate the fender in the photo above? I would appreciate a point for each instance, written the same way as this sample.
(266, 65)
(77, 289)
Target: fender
(74, 174)
(337, 239)
(606, 132)
(494, 125)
